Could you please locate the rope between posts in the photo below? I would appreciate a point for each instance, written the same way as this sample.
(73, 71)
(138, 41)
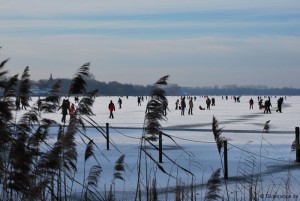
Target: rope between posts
(123, 133)
(191, 140)
(168, 134)
(266, 157)
(209, 142)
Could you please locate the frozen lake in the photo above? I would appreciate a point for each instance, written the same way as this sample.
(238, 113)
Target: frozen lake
(254, 156)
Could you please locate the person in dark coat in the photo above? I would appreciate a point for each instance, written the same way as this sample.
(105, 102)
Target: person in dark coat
(213, 102)
(191, 105)
(279, 104)
(208, 102)
(183, 105)
(39, 104)
(64, 109)
(268, 106)
(260, 104)
(139, 101)
(120, 103)
(251, 102)
(111, 108)
(24, 103)
(76, 99)
(176, 104)
(165, 106)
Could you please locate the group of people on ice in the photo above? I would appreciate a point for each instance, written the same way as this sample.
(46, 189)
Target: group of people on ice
(181, 104)
(266, 105)
(67, 108)
(21, 103)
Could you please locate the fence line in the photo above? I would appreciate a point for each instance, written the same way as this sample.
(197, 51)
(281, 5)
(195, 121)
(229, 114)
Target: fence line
(191, 129)
(210, 142)
(117, 129)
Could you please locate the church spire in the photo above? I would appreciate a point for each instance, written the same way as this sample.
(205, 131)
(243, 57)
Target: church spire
(50, 81)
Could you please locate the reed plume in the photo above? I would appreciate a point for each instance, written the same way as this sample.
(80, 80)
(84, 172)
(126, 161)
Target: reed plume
(3, 82)
(217, 134)
(78, 84)
(92, 183)
(219, 139)
(10, 87)
(213, 187)
(155, 108)
(24, 88)
(119, 167)
(51, 102)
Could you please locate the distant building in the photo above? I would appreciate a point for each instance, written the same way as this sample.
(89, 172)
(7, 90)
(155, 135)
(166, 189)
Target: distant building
(38, 91)
(50, 81)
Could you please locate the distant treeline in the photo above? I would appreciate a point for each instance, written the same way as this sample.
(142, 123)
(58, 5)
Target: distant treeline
(119, 89)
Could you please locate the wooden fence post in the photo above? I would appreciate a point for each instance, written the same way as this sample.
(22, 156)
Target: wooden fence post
(107, 136)
(160, 147)
(225, 160)
(297, 144)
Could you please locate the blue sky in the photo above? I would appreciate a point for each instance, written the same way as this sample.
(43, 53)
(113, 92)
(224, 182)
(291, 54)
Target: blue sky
(197, 43)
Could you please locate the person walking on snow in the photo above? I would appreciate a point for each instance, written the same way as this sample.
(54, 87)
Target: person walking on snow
(208, 102)
(64, 109)
(139, 101)
(111, 108)
(176, 104)
(165, 106)
(251, 103)
(213, 102)
(191, 105)
(72, 110)
(279, 104)
(183, 105)
(120, 103)
(267, 106)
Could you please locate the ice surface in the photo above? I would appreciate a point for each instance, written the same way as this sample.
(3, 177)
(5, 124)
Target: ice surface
(252, 153)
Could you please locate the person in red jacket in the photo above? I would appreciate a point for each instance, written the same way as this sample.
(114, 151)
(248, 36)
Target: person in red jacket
(111, 107)
(72, 110)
